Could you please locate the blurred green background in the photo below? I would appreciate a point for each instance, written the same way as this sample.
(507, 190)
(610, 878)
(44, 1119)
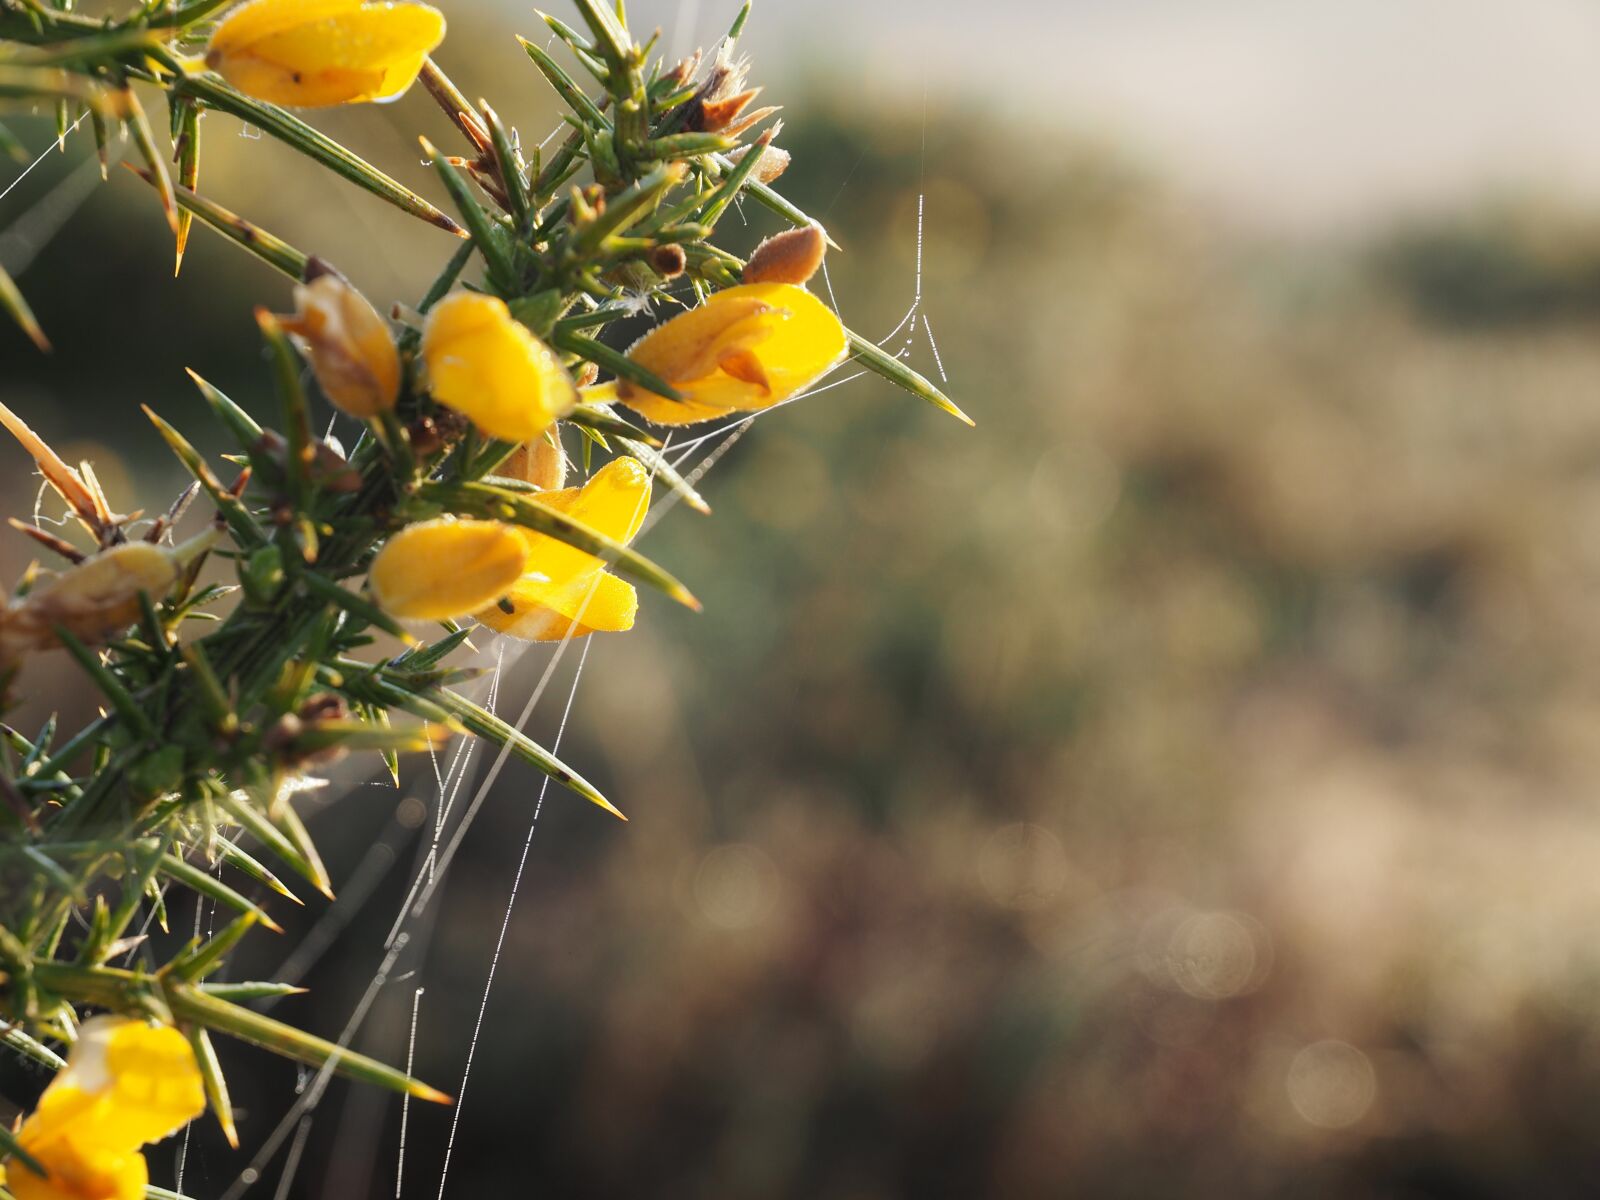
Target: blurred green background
(1182, 784)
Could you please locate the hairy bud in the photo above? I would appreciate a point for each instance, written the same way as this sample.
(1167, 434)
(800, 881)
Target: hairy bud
(774, 161)
(94, 599)
(668, 261)
(789, 257)
(540, 462)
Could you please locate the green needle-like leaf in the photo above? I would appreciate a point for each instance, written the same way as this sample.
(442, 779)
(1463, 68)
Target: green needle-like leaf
(292, 131)
(194, 878)
(270, 249)
(871, 356)
(16, 307)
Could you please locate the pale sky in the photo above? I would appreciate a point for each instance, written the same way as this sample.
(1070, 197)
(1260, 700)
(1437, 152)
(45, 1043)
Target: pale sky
(1310, 114)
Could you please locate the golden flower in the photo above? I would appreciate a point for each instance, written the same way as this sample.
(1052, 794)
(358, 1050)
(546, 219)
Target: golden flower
(351, 349)
(565, 590)
(442, 569)
(316, 53)
(93, 599)
(745, 348)
(125, 1084)
(489, 367)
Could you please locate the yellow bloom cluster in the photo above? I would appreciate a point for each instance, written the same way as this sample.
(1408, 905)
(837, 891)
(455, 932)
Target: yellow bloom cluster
(519, 582)
(744, 349)
(317, 53)
(125, 1085)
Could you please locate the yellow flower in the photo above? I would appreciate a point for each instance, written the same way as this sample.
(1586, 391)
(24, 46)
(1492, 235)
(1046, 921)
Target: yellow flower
(93, 599)
(125, 1084)
(351, 349)
(443, 569)
(745, 348)
(315, 53)
(73, 1175)
(566, 590)
(486, 365)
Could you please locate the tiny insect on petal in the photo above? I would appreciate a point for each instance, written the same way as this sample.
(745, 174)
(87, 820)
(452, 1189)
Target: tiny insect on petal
(489, 367)
(442, 569)
(316, 53)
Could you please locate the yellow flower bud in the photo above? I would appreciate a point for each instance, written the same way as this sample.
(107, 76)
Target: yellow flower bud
(745, 348)
(93, 599)
(125, 1084)
(566, 591)
(352, 352)
(316, 53)
(443, 569)
(487, 366)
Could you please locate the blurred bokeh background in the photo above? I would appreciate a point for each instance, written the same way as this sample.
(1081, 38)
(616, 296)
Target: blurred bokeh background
(1182, 784)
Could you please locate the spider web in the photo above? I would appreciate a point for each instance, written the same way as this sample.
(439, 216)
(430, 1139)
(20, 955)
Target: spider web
(461, 770)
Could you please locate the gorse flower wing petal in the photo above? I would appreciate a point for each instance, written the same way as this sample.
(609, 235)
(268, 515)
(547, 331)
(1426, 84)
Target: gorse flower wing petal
(744, 349)
(565, 589)
(489, 367)
(317, 53)
(442, 569)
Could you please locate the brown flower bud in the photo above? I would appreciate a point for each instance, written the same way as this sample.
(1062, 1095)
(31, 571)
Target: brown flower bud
(352, 352)
(774, 161)
(540, 462)
(683, 71)
(668, 261)
(789, 257)
(93, 599)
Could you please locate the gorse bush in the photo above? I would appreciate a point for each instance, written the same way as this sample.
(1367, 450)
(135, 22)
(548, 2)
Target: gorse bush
(451, 505)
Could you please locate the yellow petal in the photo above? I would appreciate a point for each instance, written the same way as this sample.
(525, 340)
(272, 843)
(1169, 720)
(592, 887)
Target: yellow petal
(565, 588)
(744, 349)
(596, 603)
(315, 53)
(125, 1084)
(249, 23)
(613, 502)
(488, 366)
(352, 352)
(76, 1175)
(439, 570)
(156, 1087)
